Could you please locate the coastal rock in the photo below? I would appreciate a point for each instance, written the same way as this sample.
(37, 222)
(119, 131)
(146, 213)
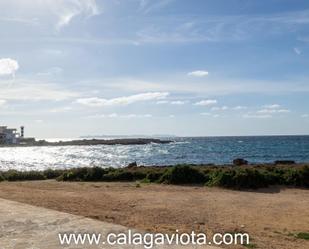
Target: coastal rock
(240, 161)
(284, 162)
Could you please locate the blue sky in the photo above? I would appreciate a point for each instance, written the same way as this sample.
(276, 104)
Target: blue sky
(194, 68)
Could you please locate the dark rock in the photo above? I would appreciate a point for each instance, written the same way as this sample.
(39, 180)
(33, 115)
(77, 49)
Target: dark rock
(240, 161)
(132, 165)
(284, 162)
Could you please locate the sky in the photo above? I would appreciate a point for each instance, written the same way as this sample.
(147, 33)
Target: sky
(70, 68)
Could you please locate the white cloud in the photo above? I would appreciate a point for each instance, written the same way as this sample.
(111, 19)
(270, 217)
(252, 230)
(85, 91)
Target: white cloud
(53, 52)
(67, 10)
(174, 102)
(207, 102)
(273, 106)
(98, 102)
(208, 114)
(33, 21)
(8, 66)
(138, 116)
(23, 89)
(267, 112)
(283, 111)
(258, 116)
(219, 108)
(115, 115)
(51, 71)
(161, 102)
(2, 102)
(224, 27)
(224, 108)
(271, 109)
(178, 102)
(147, 6)
(239, 107)
(217, 87)
(93, 101)
(305, 115)
(56, 13)
(61, 109)
(198, 73)
(297, 51)
(274, 111)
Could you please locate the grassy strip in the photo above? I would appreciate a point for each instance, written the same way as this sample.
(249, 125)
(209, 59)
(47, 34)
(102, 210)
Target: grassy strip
(241, 177)
(304, 236)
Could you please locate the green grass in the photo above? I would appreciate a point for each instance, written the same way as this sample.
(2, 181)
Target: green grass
(241, 177)
(304, 236)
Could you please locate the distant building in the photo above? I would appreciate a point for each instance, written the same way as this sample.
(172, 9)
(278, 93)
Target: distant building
(8, 135)
(11, 136)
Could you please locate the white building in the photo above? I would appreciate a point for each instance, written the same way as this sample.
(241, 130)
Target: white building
(8, 135)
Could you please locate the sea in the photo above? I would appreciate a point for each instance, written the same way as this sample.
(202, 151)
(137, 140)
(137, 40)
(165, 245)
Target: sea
(188, 150)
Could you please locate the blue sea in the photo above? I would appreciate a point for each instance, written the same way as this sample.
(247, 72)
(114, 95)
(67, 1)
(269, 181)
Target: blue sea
(196, 150)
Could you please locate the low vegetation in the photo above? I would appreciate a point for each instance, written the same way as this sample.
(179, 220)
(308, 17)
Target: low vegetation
(304, 236)
(234, 177)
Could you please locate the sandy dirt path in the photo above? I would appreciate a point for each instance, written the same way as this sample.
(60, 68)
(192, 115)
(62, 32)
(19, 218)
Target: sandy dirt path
(25, 226)
(270, 216)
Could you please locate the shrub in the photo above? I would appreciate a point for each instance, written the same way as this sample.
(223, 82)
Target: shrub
(84, 174)
(238, 178)
(249, 178)
(222, 178)
(304, 177)
(183, 175)
(14, 175)
(290, 177)
(154, 176)
(139, 175)
(119, 175)
(273, 175)
(298, 177)
(77, 174)
(53, 173)
(124, 175)
(95, 174)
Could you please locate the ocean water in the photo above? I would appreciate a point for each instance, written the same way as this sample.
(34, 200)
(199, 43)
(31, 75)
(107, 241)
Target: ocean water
(202, 150)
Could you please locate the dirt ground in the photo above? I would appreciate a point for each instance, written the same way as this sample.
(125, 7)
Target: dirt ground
(270, 216)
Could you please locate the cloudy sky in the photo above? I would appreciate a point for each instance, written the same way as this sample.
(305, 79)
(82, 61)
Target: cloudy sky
(204, 67)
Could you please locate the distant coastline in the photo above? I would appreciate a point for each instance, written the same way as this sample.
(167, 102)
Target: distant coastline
(187, 136)
(123, 141)
(128, 136)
